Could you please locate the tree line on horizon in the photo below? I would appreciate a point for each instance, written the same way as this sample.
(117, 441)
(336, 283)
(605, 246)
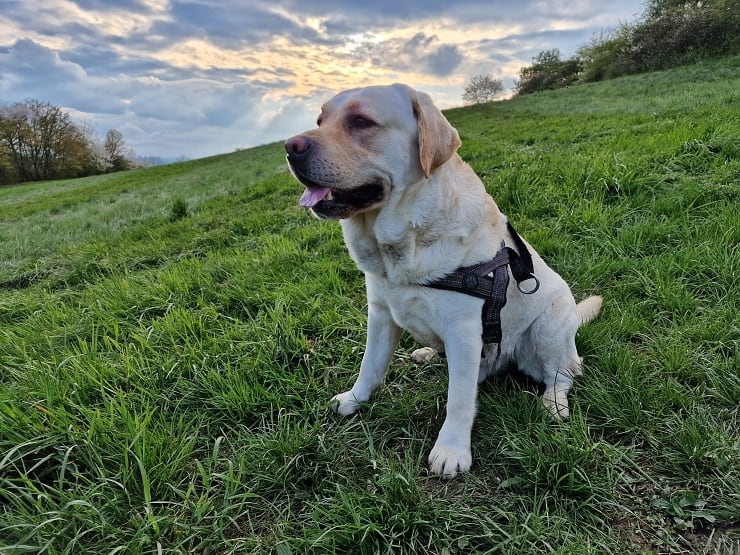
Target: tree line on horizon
(40, 141)
(668, 34)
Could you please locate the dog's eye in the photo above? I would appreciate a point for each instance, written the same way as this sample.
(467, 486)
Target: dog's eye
(360, 122)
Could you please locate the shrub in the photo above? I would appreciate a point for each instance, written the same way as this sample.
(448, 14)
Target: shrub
(178, 210)
(604, 57)
(547, 72)
(670, 33)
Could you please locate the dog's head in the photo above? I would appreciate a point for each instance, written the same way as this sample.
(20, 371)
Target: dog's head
(369, 142)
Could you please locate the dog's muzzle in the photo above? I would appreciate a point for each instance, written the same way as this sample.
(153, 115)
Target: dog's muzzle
(328, 202)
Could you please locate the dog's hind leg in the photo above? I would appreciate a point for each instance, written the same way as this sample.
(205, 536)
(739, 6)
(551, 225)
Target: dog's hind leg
(549, 354)
(558, 382)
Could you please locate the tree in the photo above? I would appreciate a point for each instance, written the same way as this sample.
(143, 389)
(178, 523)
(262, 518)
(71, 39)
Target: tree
(115, 151)
(8, 174)
(40, 141)
(482, 88)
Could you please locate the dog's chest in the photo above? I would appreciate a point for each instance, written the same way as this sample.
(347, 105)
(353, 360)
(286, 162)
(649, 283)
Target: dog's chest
(395, 252)
(414, 308)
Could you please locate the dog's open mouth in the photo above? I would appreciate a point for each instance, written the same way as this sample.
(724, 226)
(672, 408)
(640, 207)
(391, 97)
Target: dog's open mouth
(341, 203)
(361, 196)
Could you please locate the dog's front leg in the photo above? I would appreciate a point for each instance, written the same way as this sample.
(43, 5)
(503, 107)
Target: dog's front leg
(451, 453)
(383, 335)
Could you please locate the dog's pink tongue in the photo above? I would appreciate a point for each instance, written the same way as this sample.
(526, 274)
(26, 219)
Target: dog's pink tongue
(313, 195)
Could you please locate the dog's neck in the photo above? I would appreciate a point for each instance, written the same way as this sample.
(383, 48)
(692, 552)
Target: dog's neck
(422, 233)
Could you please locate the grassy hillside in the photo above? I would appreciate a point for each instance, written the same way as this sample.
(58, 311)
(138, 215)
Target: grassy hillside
(170, 338)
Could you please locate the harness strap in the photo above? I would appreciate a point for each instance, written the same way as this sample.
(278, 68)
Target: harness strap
(491, 312)
(489, 280)
(521, 265)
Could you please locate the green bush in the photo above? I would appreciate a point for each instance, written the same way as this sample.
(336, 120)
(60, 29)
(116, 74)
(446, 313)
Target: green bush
(547, 72)
(669, 34)
(685, 33)
(178, 210)
(603, 58)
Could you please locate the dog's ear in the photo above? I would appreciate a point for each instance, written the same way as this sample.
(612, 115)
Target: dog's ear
(438, 140)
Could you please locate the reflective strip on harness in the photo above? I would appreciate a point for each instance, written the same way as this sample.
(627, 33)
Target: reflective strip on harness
(489, 281)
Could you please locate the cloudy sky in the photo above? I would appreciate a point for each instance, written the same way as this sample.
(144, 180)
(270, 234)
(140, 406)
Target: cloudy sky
(199, 77)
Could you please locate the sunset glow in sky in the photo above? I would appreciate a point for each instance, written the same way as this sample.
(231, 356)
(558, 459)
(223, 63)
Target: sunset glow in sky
(198, 77)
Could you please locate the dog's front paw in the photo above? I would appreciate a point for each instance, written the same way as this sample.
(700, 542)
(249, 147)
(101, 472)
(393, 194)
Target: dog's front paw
(448, 460)
(345, 403)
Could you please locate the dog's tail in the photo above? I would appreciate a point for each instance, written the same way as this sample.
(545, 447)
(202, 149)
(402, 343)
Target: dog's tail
(589, 308)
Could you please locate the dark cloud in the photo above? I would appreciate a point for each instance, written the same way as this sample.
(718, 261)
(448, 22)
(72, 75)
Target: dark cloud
(101, 60)
(421, 53)
(388, 9)
(103, 5)
(231, 26)
(34, 71)
(186, 99)
(336, 26)
(36, 66)
(351, 18)
(357, 17)
(444, 60)
(525, 46)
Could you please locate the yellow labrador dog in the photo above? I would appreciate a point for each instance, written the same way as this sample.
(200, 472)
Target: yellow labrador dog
(383, 161)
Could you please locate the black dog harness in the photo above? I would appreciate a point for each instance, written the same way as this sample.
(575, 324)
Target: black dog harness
(489, 281)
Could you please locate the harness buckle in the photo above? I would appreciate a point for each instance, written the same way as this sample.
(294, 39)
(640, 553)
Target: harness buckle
(528, 291)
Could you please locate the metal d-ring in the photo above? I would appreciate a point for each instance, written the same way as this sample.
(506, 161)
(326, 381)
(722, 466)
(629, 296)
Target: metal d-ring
(529, 291)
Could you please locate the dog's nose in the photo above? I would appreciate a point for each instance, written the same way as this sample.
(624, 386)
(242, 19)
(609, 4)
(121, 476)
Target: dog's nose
(297, 146)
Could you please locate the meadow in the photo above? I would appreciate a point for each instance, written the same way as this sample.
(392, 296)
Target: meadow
(170, 338)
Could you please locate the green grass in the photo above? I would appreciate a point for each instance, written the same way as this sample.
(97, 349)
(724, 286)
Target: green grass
(170, 339)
